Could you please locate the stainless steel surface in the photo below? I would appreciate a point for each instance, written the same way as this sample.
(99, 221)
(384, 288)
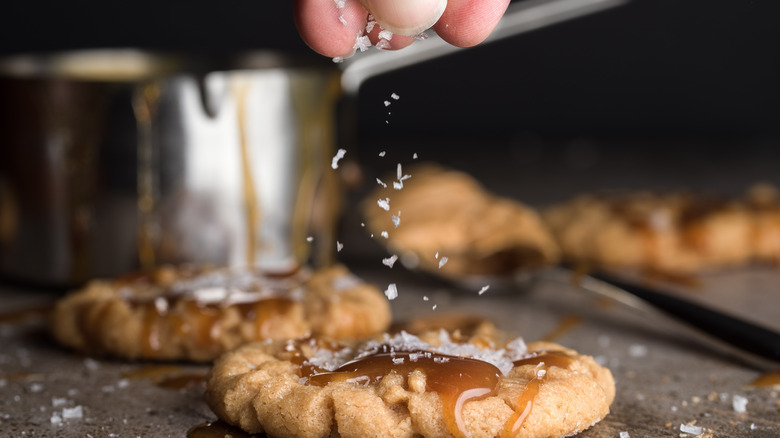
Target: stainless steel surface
(115, 160)
(664, 377)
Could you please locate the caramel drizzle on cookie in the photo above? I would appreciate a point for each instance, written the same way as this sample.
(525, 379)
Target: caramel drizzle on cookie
(457, 380)
(542, 361)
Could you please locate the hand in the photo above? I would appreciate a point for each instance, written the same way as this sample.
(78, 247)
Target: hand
(331, 29)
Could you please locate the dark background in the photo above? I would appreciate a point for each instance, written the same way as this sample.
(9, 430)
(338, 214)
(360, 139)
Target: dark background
(663, 78)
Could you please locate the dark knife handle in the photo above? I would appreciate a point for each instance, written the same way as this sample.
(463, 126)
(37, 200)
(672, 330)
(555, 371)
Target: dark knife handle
(737, 332)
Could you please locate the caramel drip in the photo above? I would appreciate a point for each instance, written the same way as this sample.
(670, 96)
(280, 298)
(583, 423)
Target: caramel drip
(265, 313)
(769, 379)
(457, 380)
(564, 326)
(251, 207)
(525, 403)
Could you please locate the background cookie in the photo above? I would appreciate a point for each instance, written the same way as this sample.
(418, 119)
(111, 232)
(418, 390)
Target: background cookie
(406, 386)
(188, 313)
(673, 233)
(438, 212)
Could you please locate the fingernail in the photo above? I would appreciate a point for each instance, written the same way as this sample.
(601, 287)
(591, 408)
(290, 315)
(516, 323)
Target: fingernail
(405, 17)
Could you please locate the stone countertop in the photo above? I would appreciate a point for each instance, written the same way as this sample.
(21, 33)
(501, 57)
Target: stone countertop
(665, 375)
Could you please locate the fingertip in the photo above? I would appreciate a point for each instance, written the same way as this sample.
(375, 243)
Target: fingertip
(466, 23)
(328, 29)
(405, 17)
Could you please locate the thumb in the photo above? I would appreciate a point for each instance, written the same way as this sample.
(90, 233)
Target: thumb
(405, 17)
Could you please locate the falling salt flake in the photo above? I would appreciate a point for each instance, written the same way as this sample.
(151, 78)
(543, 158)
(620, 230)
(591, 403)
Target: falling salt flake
(434, 307)
(390, 261)
(387, 103)
(343, 20)
(483, 290)
(399, 172)
(363, 224)
(637, 350)
(425, 298)
(395, 96)
(691, 429)
(72, 413)
(442, 262)
(384, 234)
(310, 239)
(398, 185)
(436, 256)
(339, 155)
(396, 220)
(739, 403)
(382, 154)
(339, 246)
(380, 182)
(384, 203)
(392, 292)
(414, 156)
(362, 43)
(624, 434)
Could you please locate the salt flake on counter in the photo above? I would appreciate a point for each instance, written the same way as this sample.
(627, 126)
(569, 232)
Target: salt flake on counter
(339, 155)
(739, 403)
(691, 429)
(624, 434)
(392, 292)
(72, 413)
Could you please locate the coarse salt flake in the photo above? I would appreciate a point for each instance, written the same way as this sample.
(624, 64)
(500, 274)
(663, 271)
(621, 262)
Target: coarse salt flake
(398, 185)
(396, 220)
(691, 429)
(414, 156)
(339, 246)
(362, 43)
(387, 103)
(384, 234)
(56, 419)
(343, 20)
(395, 96)
(484, 289)
(382, 154)
(72, 413)
(624, 434)
(442, 262)
(384, 203)
(398, 360)
(310, 239)
(380, 182)
(385, 35)
(390, 261)
(340, 3)
(392, 292)
(339, 155)
(739, 403)
(637, 350)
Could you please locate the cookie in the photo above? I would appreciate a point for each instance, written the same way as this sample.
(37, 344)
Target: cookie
(443, 221)
(674, 233)
(198, 313)
(403, 385)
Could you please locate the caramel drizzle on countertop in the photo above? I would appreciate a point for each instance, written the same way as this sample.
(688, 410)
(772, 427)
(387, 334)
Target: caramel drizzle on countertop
(457, 380)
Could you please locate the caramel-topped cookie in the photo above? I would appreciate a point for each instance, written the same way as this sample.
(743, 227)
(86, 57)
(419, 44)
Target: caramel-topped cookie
(198, 313)
(448, 224)
(409, 386)
(668, 233)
